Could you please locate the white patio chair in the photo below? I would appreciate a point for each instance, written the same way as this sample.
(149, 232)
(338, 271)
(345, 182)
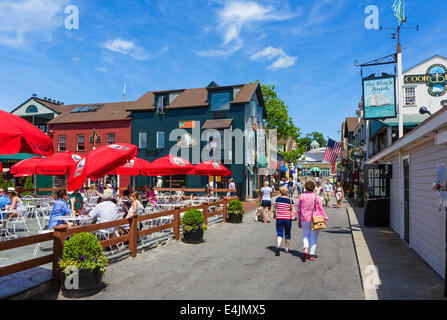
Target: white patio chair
(19, 220)
(40, 230)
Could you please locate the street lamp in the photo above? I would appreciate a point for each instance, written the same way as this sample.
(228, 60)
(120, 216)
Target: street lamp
(424, 110)
(444, 103)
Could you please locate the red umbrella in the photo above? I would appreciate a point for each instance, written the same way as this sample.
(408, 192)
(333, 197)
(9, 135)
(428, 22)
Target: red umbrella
(58, 164)
(97, 163)
(19, 136)
(25, 167)
(169, 165)
(211, 168)
(134, 167)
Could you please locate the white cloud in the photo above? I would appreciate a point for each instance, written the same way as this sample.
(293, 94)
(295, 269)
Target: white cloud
(282, 59)
(23, 20)
(127, 47)
(236, 15)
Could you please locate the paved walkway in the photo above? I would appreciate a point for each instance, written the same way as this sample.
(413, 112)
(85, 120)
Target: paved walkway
(237, 261)
(384, 259)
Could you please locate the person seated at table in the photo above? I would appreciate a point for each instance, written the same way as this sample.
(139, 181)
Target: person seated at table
(4, 200)
(60, 208)
(124, 201)
(92, 192)
(137, 207)
(16, 204)
(109, 186)
(106, 211)
(76, 201)
(150, 194)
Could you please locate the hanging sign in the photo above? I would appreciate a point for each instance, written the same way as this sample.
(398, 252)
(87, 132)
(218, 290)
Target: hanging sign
(355, 154)
(379, 97)
(435, 79)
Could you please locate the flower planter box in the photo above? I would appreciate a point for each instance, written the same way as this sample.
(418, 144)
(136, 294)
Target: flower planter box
(89, 283)
(235, 218)
(193, 236)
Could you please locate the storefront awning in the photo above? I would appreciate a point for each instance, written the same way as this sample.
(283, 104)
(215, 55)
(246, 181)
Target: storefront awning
(217, 124)
(410, 121)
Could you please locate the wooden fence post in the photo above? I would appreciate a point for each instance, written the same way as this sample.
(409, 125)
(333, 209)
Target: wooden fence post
(224, 213)
(133, 235)
(205, 213)
(177, 224)
(59, 235)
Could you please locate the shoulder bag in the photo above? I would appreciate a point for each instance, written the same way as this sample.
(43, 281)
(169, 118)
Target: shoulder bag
(293, 216)
(318, 222)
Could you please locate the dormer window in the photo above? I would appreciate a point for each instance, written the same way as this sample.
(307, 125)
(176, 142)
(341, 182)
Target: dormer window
(220, 100)
(161, 101)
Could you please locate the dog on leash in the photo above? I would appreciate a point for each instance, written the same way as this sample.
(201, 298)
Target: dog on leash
(259, 216)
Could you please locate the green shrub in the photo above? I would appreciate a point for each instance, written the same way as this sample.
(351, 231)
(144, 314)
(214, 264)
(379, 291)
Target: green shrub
(193, 219)
(84, 251)
(235, 206)
(11, 184)
(28, 185)
(2, 182)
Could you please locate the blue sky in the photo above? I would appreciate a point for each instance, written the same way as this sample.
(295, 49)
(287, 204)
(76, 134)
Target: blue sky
(305, 48)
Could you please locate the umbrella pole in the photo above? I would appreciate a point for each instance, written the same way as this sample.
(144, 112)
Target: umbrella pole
(35, 185)
(170, 187)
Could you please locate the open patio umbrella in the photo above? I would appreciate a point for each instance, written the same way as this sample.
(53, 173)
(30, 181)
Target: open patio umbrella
(211, 168)
(19, 136)
(168, 166)
(97, 163)
(58, 164)
(25, 167)
(135, 167)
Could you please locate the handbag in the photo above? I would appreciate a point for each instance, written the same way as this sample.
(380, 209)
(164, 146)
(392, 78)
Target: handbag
(318, 222)
(293, 216)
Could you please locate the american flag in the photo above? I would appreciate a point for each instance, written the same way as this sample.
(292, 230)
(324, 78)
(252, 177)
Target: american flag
(332, 151)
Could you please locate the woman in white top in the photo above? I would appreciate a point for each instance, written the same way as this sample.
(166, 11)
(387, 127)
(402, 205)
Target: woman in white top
(16, 203)
(266, 200)
(137, 207)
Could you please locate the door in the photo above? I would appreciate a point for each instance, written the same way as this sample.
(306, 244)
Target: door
(377, 195)
(406, 177)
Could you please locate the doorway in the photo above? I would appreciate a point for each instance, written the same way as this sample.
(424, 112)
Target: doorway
(406, 176)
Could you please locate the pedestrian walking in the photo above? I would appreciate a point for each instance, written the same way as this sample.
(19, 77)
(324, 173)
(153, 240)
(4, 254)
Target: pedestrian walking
(309, 205)
(327, 192)
(266, 201)
(232, 186)
(283, 183)
(339, 194)
(283, 213)
(290, 186)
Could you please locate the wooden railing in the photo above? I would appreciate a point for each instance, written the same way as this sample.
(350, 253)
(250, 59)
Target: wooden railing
(61, 232)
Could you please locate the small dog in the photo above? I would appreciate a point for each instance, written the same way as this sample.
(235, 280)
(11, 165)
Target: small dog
(259, 216)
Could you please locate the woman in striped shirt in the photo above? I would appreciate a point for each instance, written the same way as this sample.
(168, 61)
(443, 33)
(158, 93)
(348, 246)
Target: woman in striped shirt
(309, 204)
(284, 213)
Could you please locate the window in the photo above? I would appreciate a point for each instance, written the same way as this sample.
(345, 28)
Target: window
(253, 109)
(110, 138)
(160, 139)
(81, 142)
(62, 146)
(410, 96)
(260, 116)
(142, 140)
(89, 108)
(220, 101)
(161, 103)
(31, 109)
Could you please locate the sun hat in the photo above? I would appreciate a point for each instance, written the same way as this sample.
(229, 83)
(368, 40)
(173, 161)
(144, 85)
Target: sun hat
(11, 189)
(109, 185)
(108, 194)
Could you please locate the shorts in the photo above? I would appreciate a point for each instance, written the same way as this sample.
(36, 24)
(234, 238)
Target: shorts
(266, 203)
(283, 226)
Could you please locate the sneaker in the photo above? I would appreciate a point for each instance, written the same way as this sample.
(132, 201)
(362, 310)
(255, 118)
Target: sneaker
(311, 257)
(277, 252)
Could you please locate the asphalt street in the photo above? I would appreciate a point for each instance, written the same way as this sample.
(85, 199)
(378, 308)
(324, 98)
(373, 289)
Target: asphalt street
(237, 261)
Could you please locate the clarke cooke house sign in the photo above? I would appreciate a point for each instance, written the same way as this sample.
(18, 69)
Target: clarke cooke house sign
(435, 78)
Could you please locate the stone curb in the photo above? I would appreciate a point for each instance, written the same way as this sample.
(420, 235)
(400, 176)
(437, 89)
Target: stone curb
(364, 259)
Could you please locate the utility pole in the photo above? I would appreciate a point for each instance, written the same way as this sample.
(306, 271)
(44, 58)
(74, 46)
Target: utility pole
(400, 84)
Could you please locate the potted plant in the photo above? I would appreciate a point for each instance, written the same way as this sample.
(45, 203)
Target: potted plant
(235, 211)
(193, 226)
(82, 266)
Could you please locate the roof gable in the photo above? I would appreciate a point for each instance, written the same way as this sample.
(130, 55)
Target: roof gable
(425, 61)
